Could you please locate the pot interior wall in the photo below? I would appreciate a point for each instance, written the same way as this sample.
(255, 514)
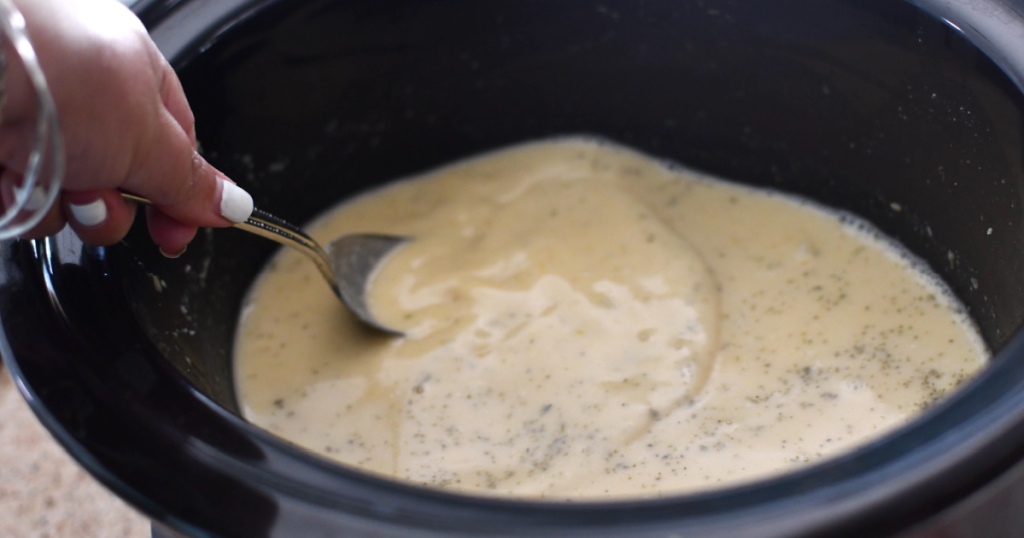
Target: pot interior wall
(871, 106)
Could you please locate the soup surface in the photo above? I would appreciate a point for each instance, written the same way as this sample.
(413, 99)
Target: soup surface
(581, 320)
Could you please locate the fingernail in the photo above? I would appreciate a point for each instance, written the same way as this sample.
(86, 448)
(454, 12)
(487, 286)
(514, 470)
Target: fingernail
(173, 256)
(235, 203)
(36, 200)
(89, 214)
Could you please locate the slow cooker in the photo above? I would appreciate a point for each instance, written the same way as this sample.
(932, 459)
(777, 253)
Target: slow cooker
(909, 114)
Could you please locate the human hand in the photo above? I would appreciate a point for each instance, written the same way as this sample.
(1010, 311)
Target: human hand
(126, 125)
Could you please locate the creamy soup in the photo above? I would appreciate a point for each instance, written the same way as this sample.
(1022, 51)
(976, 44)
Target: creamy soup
(583, 321)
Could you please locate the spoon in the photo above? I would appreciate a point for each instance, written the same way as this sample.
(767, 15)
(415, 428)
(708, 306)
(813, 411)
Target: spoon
(347, 263)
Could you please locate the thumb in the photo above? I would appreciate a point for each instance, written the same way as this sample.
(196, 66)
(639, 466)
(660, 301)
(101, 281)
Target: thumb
(185, 190)
(169, 171)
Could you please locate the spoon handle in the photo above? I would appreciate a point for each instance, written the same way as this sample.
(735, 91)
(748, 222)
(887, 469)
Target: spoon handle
(266, 225)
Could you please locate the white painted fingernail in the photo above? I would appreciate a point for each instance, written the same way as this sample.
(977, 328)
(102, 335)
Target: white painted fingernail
(235, 203)
(36, 200)
(89, 214)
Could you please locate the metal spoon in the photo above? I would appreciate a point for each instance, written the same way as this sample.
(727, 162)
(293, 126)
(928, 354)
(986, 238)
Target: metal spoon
(347, 263)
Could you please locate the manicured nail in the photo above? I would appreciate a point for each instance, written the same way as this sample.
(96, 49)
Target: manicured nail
(235, 203)
(89, 214)
(173, 256)
(36, 200)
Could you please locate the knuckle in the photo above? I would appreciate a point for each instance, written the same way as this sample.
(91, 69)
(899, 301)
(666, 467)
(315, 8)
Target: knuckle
(188, 185)
(198, 171)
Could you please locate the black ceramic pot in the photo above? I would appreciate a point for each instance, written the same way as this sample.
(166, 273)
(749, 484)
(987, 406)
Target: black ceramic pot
(875, 106)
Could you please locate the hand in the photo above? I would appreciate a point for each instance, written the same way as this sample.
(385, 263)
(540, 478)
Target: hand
(126, 125)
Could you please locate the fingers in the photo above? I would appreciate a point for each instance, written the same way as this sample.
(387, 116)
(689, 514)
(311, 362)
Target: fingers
(102, 218)
(17, 139)
(51, 223)
(171, 236)
(98, 217)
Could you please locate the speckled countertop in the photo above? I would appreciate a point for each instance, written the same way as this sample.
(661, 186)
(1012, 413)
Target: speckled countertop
(43, 492)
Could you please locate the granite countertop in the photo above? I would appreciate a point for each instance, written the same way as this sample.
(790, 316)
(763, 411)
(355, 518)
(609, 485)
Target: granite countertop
(46, 494)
